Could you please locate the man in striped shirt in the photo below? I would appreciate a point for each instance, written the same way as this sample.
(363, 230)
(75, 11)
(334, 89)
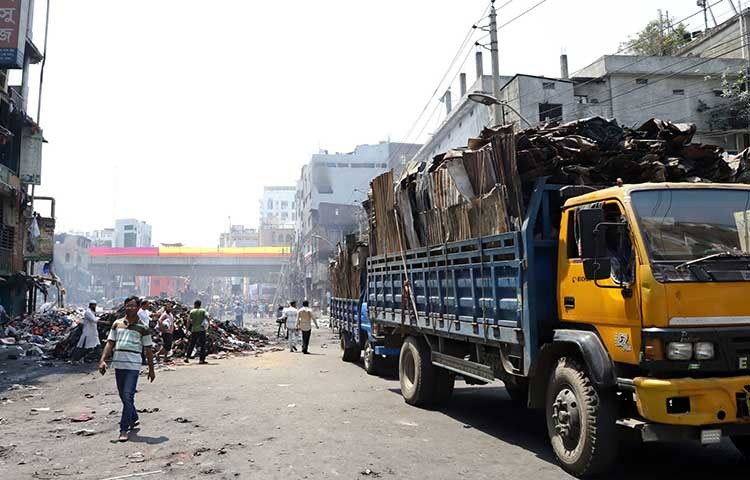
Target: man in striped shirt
(127, 339)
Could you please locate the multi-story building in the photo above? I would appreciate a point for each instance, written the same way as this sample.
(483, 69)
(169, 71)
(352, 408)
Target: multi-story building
(239, 236)
(20, 166)
(329, 194)
(277, 206)
(130, 232)
(71, 265)
(102, 238)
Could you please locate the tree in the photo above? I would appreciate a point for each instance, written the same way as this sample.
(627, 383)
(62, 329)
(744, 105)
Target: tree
(734, 112)
(658, 38)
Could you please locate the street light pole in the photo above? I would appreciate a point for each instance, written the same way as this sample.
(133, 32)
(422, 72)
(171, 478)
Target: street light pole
(498, 112)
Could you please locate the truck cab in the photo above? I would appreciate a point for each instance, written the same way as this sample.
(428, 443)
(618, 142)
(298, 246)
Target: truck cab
(661, 274)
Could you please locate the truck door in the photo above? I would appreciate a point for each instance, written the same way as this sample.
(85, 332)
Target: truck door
(611, 305)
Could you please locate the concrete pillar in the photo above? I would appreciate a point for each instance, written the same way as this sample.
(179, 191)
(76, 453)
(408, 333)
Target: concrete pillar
(447, 101)
(462, 83)
(563, 66)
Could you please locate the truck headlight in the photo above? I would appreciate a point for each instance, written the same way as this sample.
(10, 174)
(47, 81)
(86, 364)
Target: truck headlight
(704, 351)
(679, 351)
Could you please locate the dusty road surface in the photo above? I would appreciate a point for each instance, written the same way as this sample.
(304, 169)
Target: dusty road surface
(290, 416)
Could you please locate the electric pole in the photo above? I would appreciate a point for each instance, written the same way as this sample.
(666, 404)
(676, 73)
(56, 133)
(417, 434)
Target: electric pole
(498, 112)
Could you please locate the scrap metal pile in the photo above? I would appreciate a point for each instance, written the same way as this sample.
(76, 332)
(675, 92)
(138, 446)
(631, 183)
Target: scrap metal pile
(55, 332)
(483, 189)
(345, 272)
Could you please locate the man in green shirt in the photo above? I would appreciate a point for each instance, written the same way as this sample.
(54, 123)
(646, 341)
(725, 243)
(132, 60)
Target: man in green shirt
(198, 326)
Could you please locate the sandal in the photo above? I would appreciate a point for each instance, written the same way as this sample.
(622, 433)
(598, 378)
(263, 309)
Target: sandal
(135, 425)
(123, 437)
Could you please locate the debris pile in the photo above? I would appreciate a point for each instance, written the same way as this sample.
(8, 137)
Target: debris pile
(56, 331)
(483, 189)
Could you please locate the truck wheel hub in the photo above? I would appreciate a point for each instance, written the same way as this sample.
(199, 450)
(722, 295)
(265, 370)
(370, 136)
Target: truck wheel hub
(566, 415)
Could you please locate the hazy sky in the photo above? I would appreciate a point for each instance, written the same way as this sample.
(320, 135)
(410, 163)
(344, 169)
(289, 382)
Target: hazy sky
(178, 112)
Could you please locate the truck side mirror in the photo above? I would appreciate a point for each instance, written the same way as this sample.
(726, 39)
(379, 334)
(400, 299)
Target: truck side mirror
(596, 263)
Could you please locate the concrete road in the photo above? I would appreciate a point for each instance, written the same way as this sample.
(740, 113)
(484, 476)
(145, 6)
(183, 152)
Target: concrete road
(291, 416)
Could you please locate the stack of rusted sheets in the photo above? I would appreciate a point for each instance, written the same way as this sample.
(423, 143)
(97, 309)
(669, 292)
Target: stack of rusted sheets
(345, 271)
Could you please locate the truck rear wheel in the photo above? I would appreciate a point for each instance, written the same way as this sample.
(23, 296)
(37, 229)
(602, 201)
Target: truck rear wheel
(580, 420)
(348, 353)
(743, 445)
(416, 373)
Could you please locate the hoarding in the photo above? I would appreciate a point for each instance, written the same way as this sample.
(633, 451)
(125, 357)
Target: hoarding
(14, 15)
(42, 247)
(30, 169)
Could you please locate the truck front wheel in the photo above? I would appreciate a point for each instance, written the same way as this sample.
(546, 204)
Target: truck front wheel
(743, 445)
(416, 373)
(373, 363)
(580, 420)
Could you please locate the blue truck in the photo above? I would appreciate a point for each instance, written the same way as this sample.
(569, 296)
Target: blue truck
(550, 310)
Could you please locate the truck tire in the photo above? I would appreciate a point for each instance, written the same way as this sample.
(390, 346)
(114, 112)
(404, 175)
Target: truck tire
(416, 374)
(350, 354)
(518, 393)
(373, 363)
(445, 380)
(580, 420)
(743, 445)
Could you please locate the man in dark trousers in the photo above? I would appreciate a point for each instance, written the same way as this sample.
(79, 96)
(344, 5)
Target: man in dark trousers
(198, 326)
(305, 319)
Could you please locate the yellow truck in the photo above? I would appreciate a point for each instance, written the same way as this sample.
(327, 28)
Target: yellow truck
(623, 308)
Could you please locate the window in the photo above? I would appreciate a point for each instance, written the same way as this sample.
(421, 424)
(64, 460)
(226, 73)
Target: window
(573, 251)
(593, 101)
(678, 91)
(128, 228)
(284, 215)
(270, 204)
(157, 283)
(284, 205)
(331, 164)
(582, 99)
(548, 85)
(129, 240)
(336, 212)
(342, 165)
(67, 258)
(641, 81)
(550, 112)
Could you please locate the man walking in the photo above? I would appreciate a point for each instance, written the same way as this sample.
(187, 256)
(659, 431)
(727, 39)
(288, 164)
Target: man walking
(306, 318)
(89, 335)
(127, 338)
(166, 328)
(290, 316)
(198, 326)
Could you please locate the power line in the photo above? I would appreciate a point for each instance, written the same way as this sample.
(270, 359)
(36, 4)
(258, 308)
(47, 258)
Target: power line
(514, 19)
(461, 48)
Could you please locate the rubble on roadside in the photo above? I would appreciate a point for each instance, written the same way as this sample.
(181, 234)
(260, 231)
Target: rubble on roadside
(54, 332)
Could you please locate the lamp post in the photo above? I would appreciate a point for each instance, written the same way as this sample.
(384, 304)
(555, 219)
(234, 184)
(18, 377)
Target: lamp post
(325, 240)
(489, 100)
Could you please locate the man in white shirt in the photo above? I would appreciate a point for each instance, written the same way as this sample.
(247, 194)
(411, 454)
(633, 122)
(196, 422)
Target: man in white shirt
(290, 316)
(89, 334)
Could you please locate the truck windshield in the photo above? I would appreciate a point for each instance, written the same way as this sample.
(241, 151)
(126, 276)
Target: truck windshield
(687, 224)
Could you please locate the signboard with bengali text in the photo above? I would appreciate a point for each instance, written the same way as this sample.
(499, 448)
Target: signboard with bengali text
(14, 15)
